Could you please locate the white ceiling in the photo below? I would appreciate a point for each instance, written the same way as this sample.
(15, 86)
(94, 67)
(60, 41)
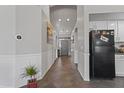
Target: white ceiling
(59, 15)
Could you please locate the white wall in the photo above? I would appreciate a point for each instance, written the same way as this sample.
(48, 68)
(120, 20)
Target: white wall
(15, 54)
(81, 36)
(92, 10)
(28, 49)
(7, 45)
(33, 48)
(47, 49)
(28, 24)
(74, 45)
(7, 30)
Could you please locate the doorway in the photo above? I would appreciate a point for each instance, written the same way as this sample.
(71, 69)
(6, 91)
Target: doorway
(64, 48)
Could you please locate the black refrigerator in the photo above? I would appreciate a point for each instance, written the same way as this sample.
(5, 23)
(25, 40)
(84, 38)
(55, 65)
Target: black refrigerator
(102, 54)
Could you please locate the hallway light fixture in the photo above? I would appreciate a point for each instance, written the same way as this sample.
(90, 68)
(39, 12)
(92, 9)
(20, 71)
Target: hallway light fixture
(67, 19)
(59, 19)
(67, 31)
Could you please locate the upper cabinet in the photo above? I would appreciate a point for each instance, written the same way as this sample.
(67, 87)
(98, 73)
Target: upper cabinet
(121, 31)
(117, 26)
(101, 25)
(92, 25)
(114, 26)
(98, 25)
(109, 21)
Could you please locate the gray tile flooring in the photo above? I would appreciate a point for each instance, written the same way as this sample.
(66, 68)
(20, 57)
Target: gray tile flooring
(64, 74)
(117, 82)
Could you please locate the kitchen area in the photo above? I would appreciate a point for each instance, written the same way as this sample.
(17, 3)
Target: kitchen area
(112, 21)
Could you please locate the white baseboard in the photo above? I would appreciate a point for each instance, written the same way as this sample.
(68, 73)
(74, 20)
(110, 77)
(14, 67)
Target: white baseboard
(5, 86)
(119, 74)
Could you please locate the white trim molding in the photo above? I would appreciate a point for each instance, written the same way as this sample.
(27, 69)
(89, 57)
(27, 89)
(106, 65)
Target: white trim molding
(120, 74)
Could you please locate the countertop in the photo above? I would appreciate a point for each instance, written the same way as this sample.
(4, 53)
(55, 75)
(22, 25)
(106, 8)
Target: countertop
(119, 53)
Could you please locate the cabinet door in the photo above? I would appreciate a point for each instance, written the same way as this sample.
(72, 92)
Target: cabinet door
(121, 30)
(119, 65)
(98, 25)
(112, 25)
(92, 25)
(101, 25)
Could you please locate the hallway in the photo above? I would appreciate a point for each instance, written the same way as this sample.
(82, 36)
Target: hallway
(63, 74)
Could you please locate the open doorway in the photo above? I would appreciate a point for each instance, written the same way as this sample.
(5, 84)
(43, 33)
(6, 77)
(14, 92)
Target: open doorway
(64, 47)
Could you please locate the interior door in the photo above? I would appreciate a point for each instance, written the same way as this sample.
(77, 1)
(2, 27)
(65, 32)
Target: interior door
(64, 48)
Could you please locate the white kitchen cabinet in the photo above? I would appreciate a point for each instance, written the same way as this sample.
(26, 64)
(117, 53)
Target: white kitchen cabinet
(112, 25)
(118, 27)
(119, 65)
(121, 31)
(93, 25)
(101, 25)
(98, 25)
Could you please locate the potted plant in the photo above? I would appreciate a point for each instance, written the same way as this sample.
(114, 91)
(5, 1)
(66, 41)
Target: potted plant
(31, 71)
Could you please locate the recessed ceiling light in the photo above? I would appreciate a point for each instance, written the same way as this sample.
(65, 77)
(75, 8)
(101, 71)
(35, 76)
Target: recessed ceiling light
(67, 31)
(67, 19)
(59, 19)
(112, 24)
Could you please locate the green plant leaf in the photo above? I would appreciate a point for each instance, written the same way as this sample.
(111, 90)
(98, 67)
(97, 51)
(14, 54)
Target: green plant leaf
(30, 71)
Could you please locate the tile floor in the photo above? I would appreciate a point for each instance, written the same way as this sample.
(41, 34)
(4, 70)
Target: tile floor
(64, 74)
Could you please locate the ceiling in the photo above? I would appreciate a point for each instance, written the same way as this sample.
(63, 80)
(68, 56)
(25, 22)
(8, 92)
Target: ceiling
(63, 18)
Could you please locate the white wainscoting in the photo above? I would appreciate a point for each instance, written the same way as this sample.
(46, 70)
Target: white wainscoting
(43, 61)
(76, 56)
(12, 67)
(21, 62)
(86, 66)
(47, 61)
(83, 63)
(7, 70)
